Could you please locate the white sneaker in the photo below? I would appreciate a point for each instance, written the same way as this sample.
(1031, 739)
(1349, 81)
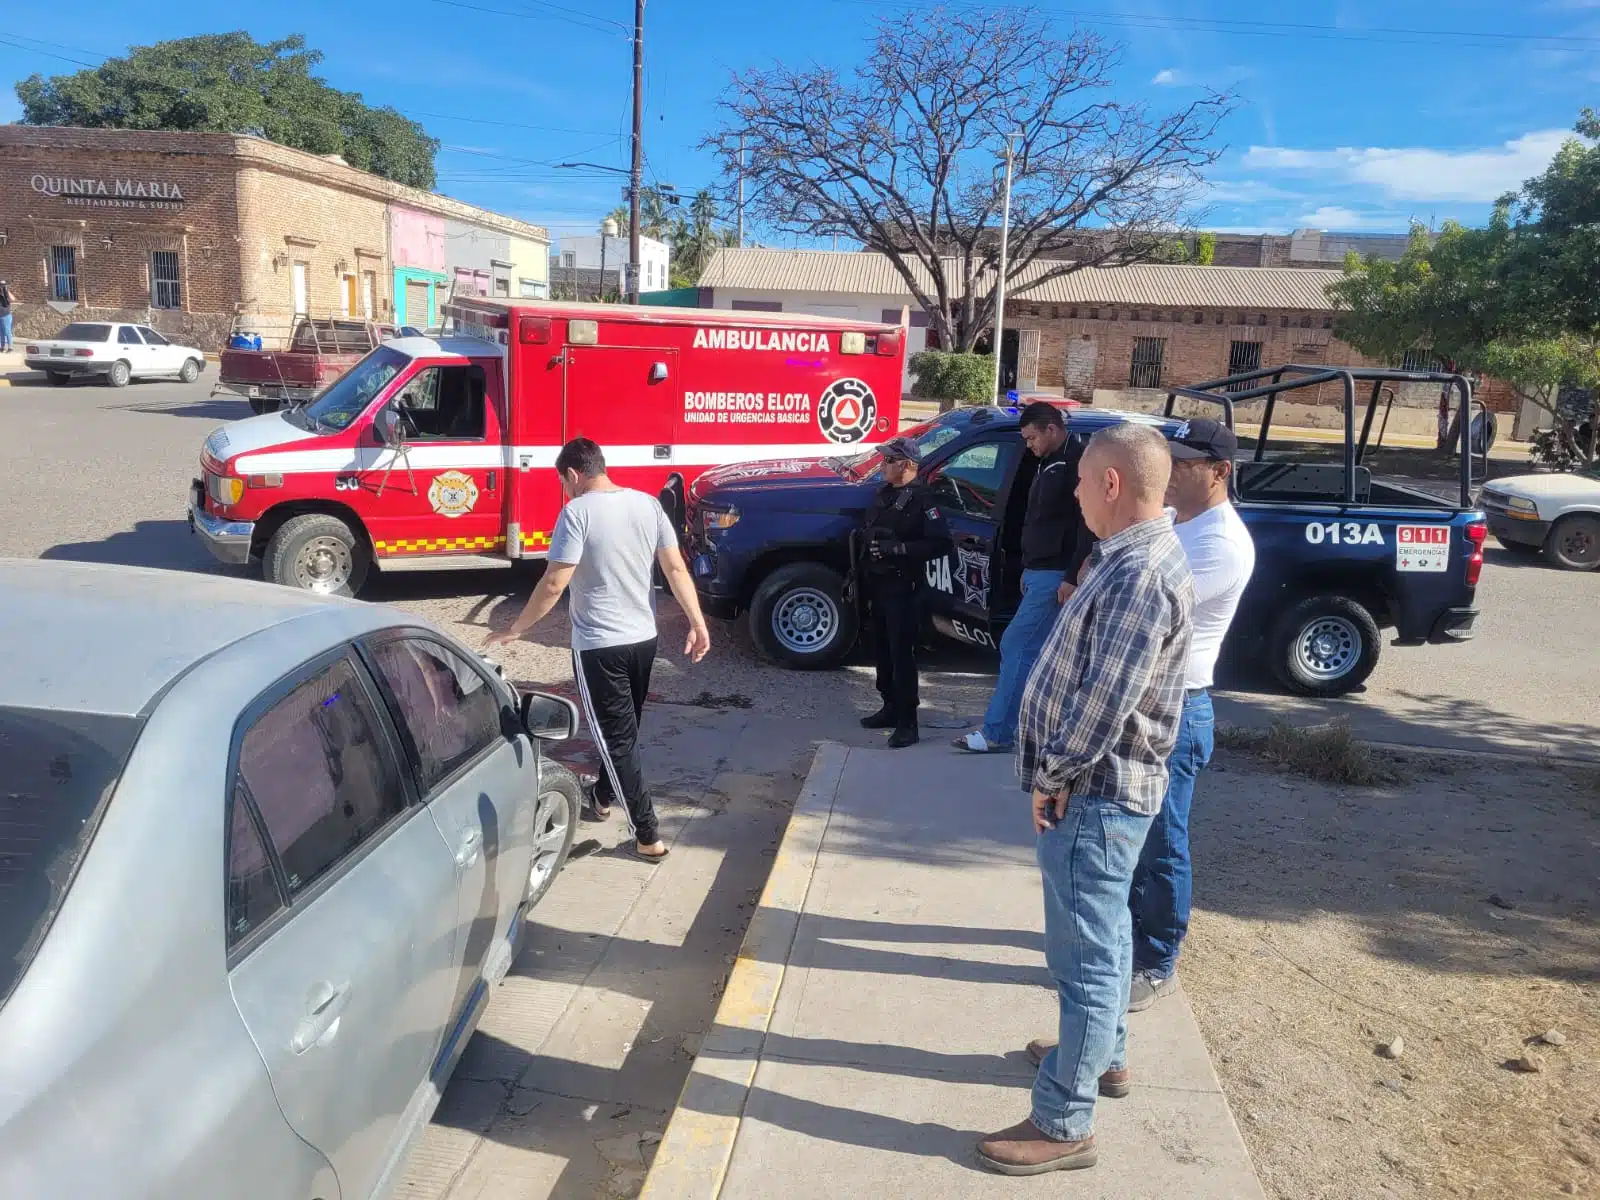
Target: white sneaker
(976, 743)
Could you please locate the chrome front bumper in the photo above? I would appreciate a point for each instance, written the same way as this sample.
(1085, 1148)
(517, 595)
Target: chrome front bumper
(228, 541)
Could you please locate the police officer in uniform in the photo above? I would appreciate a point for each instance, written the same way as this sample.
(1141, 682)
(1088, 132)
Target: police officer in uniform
(900, 532)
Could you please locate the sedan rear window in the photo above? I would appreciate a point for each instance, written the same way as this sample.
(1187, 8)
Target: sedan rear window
(84, 332)
(59, 769)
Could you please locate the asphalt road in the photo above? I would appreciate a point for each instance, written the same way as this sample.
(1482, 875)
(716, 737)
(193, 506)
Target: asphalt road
(93, 474)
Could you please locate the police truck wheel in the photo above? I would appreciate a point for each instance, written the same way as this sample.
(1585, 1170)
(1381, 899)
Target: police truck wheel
(190, 372)
(316, 553)
(1324, 646)
(119, 374)
(1574, 542)
(555, 820)
(798, 619)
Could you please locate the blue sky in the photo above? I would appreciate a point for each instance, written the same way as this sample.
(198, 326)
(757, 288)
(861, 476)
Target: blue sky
(1354, 114)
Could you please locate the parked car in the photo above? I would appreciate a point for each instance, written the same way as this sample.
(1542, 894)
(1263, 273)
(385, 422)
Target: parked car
(1556, 513)
(115, 352)
(1339, 555)
(264, 856)
(319, 350)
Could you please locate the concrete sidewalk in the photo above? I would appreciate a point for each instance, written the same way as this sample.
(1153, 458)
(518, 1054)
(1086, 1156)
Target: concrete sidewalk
(874, 1024)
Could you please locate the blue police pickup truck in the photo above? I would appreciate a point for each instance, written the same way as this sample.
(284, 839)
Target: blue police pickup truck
(1340, 555)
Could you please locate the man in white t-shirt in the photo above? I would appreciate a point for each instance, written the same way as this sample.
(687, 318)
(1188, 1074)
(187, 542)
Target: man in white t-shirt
(605, 543)
(1221, 558)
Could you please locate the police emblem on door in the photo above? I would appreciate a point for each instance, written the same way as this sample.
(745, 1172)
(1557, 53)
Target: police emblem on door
(452, 493)
(847, 411)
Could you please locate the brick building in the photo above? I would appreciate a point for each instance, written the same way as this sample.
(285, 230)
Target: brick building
(1114, 336)
(187, 231)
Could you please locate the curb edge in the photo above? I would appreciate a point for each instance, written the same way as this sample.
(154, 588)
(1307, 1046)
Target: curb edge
(692, 1160)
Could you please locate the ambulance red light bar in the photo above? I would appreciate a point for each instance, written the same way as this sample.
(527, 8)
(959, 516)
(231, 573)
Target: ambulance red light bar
(888, 344)
(533, 331)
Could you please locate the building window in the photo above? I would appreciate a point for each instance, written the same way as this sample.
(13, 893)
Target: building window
(64, 274)
(502, 286)
(1094, 314)
(369, 293)
(164, 289)
(1420, 360)
(569, 260)
(1222, 318)
(1283, 321)
(1327, 322)
(1242, 357)
(1199, 318)
(528, 288)
(1305, 321)
(1147, 355)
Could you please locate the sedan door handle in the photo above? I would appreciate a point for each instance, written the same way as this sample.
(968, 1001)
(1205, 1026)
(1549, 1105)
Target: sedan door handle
(467, 852)
(324, 1006)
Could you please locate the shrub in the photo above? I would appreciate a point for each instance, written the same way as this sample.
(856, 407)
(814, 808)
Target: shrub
(963, 378)
(1205, 249)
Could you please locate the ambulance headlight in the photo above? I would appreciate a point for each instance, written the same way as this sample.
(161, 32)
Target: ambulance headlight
(224, 489)
(719, 518)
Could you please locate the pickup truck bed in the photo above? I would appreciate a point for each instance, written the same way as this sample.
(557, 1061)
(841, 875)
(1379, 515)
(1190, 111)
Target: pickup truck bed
(319, 352)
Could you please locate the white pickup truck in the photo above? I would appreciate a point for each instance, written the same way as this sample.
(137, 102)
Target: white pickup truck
(114, 351)
(1558, 514)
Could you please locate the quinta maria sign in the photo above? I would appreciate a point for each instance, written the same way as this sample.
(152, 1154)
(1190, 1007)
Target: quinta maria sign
(110, 193)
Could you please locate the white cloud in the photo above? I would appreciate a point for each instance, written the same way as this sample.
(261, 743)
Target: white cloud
(1475, 176)
(1168, 77)
(1339, 219)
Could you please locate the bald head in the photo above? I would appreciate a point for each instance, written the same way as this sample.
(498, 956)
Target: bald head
(1123, 477)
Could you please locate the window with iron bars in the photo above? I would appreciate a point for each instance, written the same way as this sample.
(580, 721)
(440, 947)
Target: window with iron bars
(1242, 357)
(1421, 360)
(165, 291)
(64, 274)
(1147, 355)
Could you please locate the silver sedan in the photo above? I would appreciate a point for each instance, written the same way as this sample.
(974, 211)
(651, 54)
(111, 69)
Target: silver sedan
(263, 855)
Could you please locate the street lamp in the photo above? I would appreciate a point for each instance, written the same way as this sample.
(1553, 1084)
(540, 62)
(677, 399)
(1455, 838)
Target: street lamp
(1000, 283)
(608, 229)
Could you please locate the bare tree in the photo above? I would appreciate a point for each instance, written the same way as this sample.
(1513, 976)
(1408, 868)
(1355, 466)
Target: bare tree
(901, 157)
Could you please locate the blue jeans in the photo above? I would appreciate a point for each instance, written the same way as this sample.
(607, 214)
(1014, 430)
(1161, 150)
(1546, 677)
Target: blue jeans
(1163, 884)
(5, 332)
(1019, 650)
(1087, 862)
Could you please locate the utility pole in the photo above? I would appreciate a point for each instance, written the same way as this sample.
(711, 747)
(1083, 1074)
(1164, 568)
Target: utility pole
(1000, 283)
(741, 191)
(636, 174)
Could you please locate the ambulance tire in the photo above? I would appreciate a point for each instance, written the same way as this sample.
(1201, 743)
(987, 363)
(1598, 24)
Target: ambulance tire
(799, 619)
(316, 552)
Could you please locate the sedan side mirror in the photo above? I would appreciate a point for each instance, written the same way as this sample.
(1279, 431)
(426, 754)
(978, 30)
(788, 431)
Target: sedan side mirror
(549, 718)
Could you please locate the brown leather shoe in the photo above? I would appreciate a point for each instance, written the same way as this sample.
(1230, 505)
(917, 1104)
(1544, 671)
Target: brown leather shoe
(1115, 1084)
(1023, 1150)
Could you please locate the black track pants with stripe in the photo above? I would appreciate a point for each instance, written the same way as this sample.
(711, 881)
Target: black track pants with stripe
(612, 683)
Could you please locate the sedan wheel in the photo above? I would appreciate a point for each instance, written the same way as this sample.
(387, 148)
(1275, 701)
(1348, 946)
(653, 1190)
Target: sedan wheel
(555, 820)
(190, 372)
(119, 374)
(1574, 542)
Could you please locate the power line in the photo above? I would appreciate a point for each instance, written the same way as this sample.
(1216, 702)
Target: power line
(503, 124)
(17, 45)
(528, 16)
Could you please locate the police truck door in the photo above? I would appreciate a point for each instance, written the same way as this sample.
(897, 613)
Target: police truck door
(969, 487)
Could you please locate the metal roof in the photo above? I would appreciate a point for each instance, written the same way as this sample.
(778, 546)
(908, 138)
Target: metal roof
(1149, 285)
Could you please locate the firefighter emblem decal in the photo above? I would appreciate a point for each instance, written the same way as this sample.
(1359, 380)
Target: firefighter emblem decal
(847, 411)
(452, 493)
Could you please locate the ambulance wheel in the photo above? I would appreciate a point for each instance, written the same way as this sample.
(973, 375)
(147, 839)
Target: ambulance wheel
(119, 374)
(190, 372)
(798, 618)
(1324, 646)
(316, 552)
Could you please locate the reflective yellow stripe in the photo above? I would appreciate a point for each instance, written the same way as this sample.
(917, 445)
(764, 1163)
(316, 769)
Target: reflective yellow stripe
(426, 545)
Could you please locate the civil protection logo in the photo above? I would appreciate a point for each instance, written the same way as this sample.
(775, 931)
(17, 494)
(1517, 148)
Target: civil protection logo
(847, 411)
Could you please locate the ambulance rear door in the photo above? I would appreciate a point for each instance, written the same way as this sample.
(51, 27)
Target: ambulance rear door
(626, 398)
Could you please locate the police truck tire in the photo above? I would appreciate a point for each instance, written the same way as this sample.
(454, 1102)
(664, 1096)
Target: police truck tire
(798, 618)
(119, 374)
(555, 822)
(1324, 646)
(316, 552)
(190, 372)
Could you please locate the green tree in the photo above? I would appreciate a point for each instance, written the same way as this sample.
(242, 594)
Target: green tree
(230, 83)
(1205, 249)
(1516, 299)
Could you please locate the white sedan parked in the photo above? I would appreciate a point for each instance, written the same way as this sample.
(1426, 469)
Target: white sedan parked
(115, 352)
(1558, 513)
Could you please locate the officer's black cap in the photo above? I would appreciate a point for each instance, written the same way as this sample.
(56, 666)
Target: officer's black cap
(900, 449)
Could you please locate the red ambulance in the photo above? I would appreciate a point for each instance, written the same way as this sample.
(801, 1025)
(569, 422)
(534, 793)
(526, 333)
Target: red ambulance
(439, 453)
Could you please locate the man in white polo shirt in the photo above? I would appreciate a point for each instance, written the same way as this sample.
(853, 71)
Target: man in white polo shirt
(1221, 558)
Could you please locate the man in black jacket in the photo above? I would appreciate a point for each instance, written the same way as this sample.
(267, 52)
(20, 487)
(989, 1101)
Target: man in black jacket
(1055, 544)
(901, 530)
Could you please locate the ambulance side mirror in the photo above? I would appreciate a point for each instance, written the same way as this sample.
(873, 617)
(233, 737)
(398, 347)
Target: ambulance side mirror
(386, 426)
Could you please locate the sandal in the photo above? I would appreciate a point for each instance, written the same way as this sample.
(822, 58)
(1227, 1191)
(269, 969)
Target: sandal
(633, 848)
(976, 743)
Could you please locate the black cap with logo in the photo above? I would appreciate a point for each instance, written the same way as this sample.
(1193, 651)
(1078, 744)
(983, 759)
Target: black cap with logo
(1204, 438)
(900, 449)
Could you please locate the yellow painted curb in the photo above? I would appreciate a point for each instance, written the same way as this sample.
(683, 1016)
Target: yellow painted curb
(692, 1159)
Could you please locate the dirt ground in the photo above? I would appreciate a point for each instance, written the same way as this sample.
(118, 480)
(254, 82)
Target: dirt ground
(1454, 909)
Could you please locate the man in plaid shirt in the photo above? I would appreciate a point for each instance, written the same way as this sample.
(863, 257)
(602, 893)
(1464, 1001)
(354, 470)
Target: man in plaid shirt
(1099, 718)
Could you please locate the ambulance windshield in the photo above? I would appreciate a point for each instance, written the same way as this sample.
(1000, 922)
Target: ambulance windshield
(347, 397)
(929, 436)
